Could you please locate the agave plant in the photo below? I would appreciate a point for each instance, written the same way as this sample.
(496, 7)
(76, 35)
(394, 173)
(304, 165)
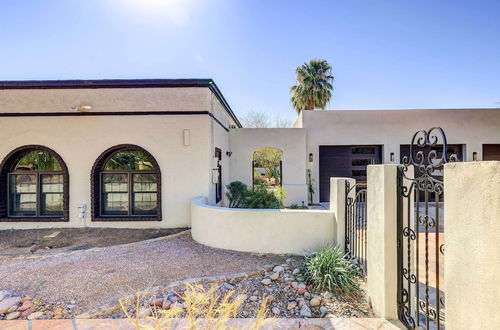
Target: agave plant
(314, 86)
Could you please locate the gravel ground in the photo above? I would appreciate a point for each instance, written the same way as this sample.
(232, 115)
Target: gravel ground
(287, 294)
(92, 279)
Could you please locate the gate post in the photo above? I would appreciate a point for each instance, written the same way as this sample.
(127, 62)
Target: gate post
(338, 204)
(382, 262)
(472, 267)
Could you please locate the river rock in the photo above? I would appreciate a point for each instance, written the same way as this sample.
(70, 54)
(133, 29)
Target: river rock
(7, 303)
(12, 316)
(229, 286)
(274, 276)
(278, 269)
(35, 316)
(26, 305)
(305, 311)
(291, 305)
(276, 311)
(314, 302)
(296, 271)
(266, 281)
(144, 312)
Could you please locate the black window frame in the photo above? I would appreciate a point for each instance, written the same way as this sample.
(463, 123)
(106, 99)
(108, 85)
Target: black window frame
(218, 185)
(97, 185)
(7, 170)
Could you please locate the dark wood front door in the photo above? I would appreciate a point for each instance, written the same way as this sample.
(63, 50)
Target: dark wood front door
(491, 151)
(345, 161)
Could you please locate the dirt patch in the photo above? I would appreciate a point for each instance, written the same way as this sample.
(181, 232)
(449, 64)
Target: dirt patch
(91, 279)
(55, 240)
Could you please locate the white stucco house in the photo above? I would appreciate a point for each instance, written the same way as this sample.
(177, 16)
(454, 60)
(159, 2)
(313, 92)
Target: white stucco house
(183, 140)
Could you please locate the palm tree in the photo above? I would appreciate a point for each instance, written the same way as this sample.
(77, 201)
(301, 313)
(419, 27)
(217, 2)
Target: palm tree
(314, 85)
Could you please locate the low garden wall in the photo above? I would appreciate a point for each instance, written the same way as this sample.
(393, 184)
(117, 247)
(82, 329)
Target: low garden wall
(261, 231)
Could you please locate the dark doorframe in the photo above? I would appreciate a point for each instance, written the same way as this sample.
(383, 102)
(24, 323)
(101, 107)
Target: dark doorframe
(218, 185)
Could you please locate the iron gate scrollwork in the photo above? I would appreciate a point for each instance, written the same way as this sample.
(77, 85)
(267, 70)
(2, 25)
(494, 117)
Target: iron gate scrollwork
(420, 231)
(355, 225)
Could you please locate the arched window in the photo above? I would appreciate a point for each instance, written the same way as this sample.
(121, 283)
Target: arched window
(35, 181)
(267, 168)
(126, 185)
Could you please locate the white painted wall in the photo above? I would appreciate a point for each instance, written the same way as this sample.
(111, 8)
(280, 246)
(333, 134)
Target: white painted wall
(292, 141)
(472, 255)
(261, 231)
(391, 128)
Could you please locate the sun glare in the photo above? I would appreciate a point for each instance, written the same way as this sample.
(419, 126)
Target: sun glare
(175, 11)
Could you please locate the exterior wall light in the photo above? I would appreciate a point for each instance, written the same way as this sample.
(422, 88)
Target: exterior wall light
(311, 158)
(81, 108)
(474, 156)
(186, 134)
(392, 157)
(229, 153)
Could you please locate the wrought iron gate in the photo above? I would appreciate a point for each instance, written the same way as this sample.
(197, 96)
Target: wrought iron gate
(355, 225)
(420, 231)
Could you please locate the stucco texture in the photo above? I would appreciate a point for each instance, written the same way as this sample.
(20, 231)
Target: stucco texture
(261, 231)
(472, 253)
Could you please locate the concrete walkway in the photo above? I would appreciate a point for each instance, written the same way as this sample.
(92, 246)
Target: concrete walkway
(96, 324)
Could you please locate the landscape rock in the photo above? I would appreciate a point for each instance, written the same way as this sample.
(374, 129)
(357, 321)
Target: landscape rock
(295, 285)
(296, 271)
(12, 309)
(276, 311)
(4, 294)
(144, 312)
(7, 303)
(302, 286)
(271, 299)
(274, 276)
(291, 305)
(323, 310)
(266, 281)
(25, 299)
(301, 291)
(278, 269)
(314, 302)
(254, 298)
(26, 313)
(35, 316)
(305, 311)
(26, 305)
(13, 316)
(229, 286)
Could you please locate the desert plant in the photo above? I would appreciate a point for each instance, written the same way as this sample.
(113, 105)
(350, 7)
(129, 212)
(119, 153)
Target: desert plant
(204, 309)
(298, 207)
(260, 198)
(329, 269)
(236, 193)
(310, 187)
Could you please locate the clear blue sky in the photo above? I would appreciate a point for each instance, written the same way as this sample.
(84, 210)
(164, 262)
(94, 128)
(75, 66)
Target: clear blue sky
(385, 54)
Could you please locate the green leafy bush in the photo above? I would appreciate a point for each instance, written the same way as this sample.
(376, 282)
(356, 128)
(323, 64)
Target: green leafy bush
(261, 199)
(236, 193)
(329, 269)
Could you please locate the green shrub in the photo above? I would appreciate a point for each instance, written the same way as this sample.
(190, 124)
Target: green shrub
(329, 269)
(261, 199)
(236, 193)
(298, 207)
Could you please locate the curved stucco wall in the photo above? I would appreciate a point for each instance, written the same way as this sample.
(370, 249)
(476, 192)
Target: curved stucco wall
(261, 231)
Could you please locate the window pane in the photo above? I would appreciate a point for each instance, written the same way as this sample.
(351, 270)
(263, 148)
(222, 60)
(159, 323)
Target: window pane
(128, 160)
(38, 160)
(115, 182)
(362, 162)
(52, 183)
(22, 195)
(144, 182)
(363, 150)
(145, 203)
(358, 172)
(115, 204)
(52, 204)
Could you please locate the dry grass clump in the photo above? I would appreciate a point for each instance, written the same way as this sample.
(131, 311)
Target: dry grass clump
(204, 309)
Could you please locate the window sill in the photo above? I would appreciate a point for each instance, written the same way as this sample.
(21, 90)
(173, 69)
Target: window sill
(34, 219)
(133, 218)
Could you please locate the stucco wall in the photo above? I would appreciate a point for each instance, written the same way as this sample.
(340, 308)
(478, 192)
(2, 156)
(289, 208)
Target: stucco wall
(261, 231)
(80, 140)
(292, 141)
(391, 128)
(106, 99)
(472, 255)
